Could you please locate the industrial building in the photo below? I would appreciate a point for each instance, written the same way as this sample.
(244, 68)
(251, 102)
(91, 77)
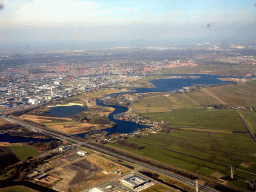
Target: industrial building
(64, 148)
(134, 181)
(82, 153)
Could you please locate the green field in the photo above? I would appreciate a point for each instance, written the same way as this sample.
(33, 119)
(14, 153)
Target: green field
(237, 94)
(212, 119)
(164, 103)
(202, 152)
(232, 95)
(250, 119)
(23, 152)
(159, 188)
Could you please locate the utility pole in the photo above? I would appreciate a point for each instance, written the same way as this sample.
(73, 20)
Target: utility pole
(196, 185)
(51, 93)
(232, 173)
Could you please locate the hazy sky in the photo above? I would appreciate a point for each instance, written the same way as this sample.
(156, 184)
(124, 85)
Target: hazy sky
(28, 21)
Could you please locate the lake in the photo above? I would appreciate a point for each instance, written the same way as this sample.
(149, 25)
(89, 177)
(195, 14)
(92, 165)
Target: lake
(172, 84)
(16, 139)
(66, 111)
(121, 126)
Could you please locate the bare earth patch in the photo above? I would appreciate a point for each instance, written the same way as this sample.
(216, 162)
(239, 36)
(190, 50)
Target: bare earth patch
(67, 125)
(245, 165)
(79, 175)
(108, 166)
(217, 175)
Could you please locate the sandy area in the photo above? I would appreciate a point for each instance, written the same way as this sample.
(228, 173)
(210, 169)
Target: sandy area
(68, 125)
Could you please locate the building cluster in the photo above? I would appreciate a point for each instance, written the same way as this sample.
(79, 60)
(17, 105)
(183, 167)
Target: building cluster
(33, 81)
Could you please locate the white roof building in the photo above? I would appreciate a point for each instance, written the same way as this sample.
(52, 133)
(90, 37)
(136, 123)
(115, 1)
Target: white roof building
(82, 153)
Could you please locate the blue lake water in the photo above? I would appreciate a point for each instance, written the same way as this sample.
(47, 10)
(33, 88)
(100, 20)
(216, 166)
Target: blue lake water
(121, 126)
(65, 111)
(15, 139)
(172, 84)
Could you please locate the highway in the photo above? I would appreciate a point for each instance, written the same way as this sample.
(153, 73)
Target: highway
(162, 171)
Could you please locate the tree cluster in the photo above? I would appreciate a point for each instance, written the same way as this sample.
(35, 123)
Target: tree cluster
(130, 145)
(45, 146)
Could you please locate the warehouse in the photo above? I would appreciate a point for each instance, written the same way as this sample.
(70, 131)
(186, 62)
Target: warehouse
(134, 181)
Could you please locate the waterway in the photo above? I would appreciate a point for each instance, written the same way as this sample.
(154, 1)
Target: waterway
(172, 83)
(16, 139)
(66, 111)
(120, 126)
(160, 85)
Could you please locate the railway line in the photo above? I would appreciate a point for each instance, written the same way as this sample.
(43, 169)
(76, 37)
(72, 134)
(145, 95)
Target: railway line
(185, 180)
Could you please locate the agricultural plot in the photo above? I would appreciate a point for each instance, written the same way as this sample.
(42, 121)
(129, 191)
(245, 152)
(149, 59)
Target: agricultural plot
(250, 119)
(212, 119)
(232, 95)
(208, 153)
(202, 98)
(208, 141)
(23, 152)
(159, 188)
(183, 101)
(7, 157)
(153, 104)
(236, 95)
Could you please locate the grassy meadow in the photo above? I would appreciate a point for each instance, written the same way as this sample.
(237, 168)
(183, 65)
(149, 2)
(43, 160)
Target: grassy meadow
(23, 152)
(250, 119)
(207, 153)
(234, 95)
(211, 119)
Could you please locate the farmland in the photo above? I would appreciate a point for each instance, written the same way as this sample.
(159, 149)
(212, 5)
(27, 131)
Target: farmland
(7, 157)
(158, 188)
(202, 118)
(207, 153)
(23, 152)
(231, 95)
(250, 119)
(203, 137)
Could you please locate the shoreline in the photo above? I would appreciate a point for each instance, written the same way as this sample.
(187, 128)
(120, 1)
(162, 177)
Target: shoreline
(66, 105)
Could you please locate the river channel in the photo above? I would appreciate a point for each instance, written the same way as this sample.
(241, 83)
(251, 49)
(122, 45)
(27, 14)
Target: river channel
(174, 82)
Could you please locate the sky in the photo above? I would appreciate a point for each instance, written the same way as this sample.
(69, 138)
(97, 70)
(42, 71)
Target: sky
(79, 21)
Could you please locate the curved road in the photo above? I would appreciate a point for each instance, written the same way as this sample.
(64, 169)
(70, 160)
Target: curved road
(162, 171)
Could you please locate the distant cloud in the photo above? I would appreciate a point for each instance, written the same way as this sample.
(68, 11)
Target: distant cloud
(68, 12)
(208, 25)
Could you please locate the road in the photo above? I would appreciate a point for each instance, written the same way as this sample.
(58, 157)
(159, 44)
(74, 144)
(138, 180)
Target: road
(247, 127)
(185, 180)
